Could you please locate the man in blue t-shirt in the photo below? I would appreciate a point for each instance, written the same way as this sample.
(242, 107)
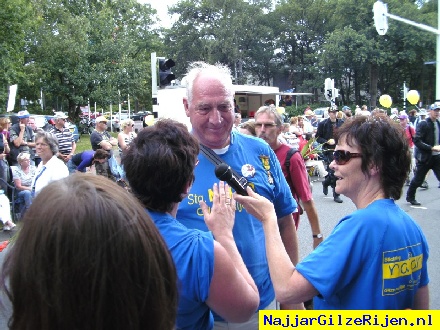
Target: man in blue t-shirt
(209, 105)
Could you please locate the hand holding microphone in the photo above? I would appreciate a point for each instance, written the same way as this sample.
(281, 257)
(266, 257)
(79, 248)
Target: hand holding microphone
(224, 172)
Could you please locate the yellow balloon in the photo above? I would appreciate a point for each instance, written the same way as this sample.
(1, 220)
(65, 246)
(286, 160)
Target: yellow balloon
(385, 101)
(149, 120)
(281, 110)
(413, 96)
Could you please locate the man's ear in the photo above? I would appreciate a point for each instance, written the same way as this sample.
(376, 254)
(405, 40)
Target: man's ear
(186, 106)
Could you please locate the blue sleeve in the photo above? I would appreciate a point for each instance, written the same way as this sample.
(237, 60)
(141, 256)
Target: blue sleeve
(86, 160)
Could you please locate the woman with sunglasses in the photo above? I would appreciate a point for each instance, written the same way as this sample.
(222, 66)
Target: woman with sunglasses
(376, 257)
(126, 135)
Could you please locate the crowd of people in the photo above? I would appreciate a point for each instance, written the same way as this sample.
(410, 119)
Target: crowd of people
(180, 249)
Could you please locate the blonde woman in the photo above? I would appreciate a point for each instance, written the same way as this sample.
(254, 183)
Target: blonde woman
(23, 174)
(126, 135)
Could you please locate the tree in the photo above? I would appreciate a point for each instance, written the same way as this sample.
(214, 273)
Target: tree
(15, 20)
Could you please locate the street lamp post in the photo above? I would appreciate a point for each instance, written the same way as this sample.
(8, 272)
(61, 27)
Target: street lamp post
(381, 14)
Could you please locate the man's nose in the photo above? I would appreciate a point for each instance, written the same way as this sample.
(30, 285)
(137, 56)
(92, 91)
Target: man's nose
(215, 116)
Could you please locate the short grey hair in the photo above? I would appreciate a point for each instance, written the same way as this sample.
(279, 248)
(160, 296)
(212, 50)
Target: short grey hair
(219, 71)
(50, 139)
(270, 109)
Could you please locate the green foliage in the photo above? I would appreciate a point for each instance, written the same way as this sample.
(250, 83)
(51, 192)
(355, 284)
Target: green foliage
(75, 52)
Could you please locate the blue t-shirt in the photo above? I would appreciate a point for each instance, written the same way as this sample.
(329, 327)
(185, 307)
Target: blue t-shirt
(193, 254)
(375, 258)
(254, 159)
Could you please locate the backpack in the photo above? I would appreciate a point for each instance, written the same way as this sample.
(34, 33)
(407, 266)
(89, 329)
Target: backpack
(289, 155)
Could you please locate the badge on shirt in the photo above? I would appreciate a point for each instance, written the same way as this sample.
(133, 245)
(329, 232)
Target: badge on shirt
(266, 165)
(248, 171)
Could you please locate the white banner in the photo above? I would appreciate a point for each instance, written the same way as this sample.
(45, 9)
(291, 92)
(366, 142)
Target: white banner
(12, 94)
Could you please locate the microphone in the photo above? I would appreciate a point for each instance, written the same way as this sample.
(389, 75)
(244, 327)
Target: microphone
(224, 172)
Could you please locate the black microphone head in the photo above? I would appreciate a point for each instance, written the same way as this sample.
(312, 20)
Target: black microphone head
(223, 172)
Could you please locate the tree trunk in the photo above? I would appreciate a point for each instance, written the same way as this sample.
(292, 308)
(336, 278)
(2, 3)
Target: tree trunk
(374, 74)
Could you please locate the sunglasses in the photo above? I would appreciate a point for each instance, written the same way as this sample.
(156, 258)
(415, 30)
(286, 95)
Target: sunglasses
(342, 157)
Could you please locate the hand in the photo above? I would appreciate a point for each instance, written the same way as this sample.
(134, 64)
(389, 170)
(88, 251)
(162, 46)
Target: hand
(220, 219)
(257, 205)
(436, 148)
(331, 141)
(22, 126)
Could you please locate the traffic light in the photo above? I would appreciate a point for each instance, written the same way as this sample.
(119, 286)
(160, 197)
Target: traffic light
(329, 94)
(165, 74)
(329, 85)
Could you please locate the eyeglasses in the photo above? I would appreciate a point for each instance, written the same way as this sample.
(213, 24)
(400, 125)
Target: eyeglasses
(268, 125)
(103, 122)
(342, 157)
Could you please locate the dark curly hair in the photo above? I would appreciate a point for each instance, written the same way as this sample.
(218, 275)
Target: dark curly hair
(159, 164)
(383, 143)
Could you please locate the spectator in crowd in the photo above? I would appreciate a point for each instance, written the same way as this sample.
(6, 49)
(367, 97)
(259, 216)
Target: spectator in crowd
(5, 212)
(209, 105)
(89, 257)
(23, 174)
(412, 115)
(33, 125)
(311, 155)
(268, 125)
(169, 151)
(301, 130)
(236, 106)
(126, 135)
(248, 128)
(362, 253)
(21, 137)
(427, 141)
(4, 151)
(325, 136)
(410, 132)
(66, 142)
(307, 122)
(51, 167)
(288, 101)
(80, 162)
(237, 121)
(421, 117)
(101, 139)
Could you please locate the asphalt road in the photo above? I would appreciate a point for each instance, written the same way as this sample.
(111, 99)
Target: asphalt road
(427, 216)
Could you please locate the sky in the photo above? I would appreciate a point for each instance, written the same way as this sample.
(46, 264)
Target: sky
(162, 9)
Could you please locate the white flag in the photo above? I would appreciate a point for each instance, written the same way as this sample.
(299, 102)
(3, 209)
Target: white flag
(12, 94)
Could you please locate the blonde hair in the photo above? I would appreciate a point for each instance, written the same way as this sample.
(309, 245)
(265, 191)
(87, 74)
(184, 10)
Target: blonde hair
(126, 122)
(4, 122)
(22, 156)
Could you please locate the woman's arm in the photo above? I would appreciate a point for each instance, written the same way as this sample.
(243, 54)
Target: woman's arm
(233, 293)
(121, 141)
(290, 286)
(18, 185)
